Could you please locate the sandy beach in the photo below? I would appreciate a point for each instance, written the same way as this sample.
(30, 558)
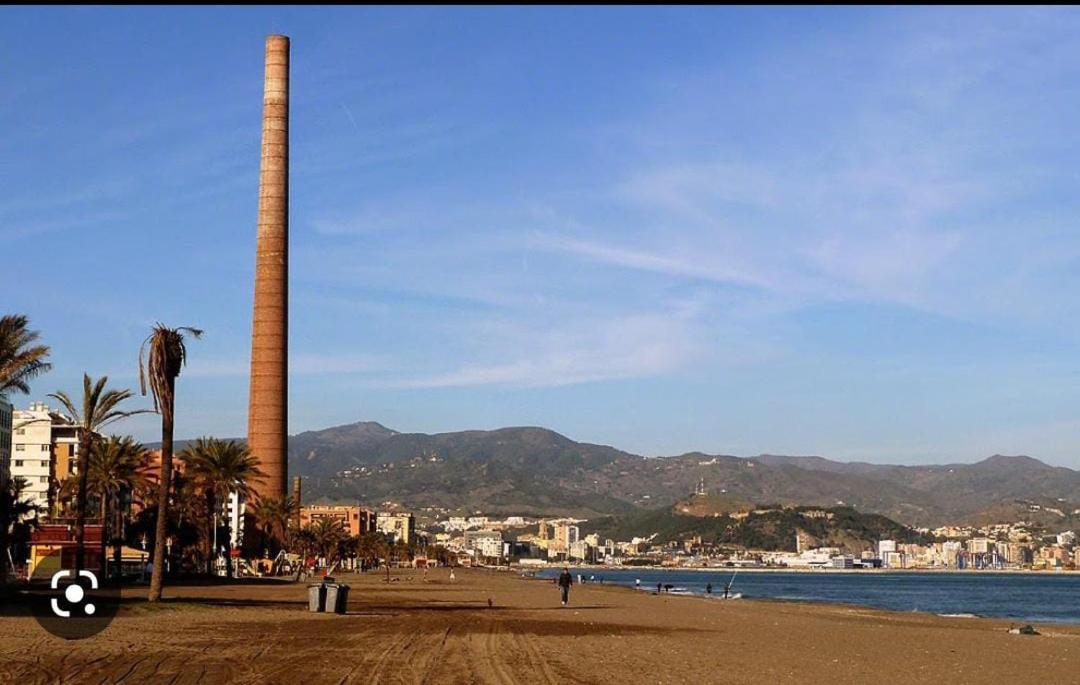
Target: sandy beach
(438, 631)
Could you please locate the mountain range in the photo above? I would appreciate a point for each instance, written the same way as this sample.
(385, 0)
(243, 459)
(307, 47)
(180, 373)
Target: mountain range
(535, 471)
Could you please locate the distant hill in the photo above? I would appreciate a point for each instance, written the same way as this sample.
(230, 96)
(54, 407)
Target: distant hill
(768, 528)
(531, 470)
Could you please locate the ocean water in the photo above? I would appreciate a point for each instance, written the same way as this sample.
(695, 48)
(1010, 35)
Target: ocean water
(1031, 597)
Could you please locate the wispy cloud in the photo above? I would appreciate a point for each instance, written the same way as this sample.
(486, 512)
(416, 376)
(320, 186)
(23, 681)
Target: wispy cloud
(632, 347)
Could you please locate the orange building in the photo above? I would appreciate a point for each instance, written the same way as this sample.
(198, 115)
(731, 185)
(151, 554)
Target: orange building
(355, 519)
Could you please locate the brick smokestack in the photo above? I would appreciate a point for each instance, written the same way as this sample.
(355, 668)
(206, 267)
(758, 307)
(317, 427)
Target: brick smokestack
(268, 402)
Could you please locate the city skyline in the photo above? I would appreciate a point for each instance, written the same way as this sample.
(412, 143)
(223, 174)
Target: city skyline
(737, 231)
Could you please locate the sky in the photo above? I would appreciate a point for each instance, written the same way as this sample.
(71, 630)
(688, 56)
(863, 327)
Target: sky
(843, 232)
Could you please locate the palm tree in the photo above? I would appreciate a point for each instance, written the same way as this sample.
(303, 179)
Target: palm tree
(165, 354)
(116, 465)
(370, 548)
(221, 467)
(97, 410)
(20, 359)
(328, 534)
(274, 516)
(13, 508)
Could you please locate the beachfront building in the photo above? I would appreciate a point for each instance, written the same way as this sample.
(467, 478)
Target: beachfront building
(6, 421)
(566, 534)
(399, 526)
(44, 452)
(979, 545)
(885, 546)
(355, 519)
(485, 544)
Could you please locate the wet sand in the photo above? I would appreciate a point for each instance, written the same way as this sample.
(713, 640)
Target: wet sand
(437, 631)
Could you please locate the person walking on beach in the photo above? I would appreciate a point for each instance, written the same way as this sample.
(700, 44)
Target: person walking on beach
(708, 588)
(565, 581)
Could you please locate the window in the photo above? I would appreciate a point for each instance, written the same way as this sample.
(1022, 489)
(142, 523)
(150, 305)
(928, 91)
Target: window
(43, 479)
(44, 448)
(20, 431)
(18, 462)
(20, 448)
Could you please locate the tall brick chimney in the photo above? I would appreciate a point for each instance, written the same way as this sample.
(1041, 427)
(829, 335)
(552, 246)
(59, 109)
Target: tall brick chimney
(268, 402)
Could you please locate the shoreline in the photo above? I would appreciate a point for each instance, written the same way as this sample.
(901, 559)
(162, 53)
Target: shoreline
(760, 569)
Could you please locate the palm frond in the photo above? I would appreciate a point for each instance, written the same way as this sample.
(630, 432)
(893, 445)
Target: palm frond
(161, 358)
(20, 359)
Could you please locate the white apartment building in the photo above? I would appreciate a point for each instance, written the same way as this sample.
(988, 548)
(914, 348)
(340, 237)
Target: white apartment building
(44, 452)
(485, 543)
(884, 547)
(6, 418)
(235, 509)
(980, 545)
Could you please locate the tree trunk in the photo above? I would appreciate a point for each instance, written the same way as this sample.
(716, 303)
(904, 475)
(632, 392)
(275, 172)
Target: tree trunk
(211, 515)
(164, 486)
(80, 504)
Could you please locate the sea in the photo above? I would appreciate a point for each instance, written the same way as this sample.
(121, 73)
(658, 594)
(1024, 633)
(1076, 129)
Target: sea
(1033, 597)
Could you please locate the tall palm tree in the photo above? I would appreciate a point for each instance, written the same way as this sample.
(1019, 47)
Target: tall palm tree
(116, 464)
(20, 359)
(164, 353)
(98, 409)
(221, 467)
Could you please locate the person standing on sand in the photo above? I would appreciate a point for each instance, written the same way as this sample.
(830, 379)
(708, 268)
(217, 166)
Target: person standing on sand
(565, 581)
(659, 588)
(708, 588)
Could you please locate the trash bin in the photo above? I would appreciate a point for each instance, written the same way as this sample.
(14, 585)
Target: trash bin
(316, 597)
(337, 597)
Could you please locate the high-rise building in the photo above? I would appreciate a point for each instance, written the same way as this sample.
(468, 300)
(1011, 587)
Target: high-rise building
(44, 452)
(6, 423)
(566, 534)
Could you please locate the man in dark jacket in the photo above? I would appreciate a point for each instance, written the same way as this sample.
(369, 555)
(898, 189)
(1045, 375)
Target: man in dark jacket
(565, 581)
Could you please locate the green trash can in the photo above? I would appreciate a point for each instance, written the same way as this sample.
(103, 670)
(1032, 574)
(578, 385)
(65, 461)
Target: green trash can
(317, 597)
(337, 597)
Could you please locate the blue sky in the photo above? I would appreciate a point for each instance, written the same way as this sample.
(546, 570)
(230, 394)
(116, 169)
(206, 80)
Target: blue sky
(819, 231)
